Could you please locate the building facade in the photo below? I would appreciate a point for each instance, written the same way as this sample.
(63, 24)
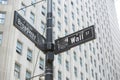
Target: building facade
(95, 60)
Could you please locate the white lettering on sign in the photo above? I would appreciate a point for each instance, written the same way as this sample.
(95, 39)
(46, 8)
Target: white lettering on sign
(76, 38)
(87, 33)
(25, 29)
(72, 40)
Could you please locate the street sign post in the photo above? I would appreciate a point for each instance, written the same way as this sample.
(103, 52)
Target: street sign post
(21, 24)
(46, 45)
(72, 40)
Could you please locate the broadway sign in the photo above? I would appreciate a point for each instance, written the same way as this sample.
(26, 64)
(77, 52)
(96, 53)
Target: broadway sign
(21, 24)
(72, 40)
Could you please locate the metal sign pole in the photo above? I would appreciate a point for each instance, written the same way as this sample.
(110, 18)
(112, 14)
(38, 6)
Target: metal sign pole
(49, 44)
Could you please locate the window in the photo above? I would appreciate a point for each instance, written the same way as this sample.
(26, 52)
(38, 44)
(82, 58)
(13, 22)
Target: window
(82, 18)
(75, 56)
(41, 64)
(65, 19)
(59, 1)
(86, 67)
(1, 34)
(77, 11)
(95, 63)
(93, 50)
(67, 52)
(99, 68)
(19, 47)
(67, 65)
(81, 8)
(32, 17)
(90, 46)
(80, 61)
(103, 73)
(59, 59)
(42, 26)
(53, 6)
(75, 71)
(78, 22)
(73, 16)
(80, 48)
(59, 26)
(2, 17)
(28, 75)
(90, 19)
(65, 8)
(59, 12)
(66, 32)
(17, 71)
(43, 11)
(3, 1)
(23, 10)
(59, 75)
(92, 72)
(87, 14)
(29, 55)
(102, 61)
(85, 53)
(54, 35)
(53, 20)
(33, 2)
(72, 3)
(91, 59)
(73, 27)
(96, 76)
(81, 75)
(67, 78)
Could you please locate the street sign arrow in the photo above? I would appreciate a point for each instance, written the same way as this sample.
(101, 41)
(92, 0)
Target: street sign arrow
(72, 40)
(21, 24)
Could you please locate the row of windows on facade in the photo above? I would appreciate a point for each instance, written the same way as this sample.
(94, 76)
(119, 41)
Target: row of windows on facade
(32, 15)
(81, 63)
(29, 54)
(43, 11)
(3, 15)
(17, 70)
(59, 13)
(29, 58)
(28, 73)
(32, 19)
(81, 75)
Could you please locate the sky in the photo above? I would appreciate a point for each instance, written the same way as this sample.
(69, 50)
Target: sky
(117, 5)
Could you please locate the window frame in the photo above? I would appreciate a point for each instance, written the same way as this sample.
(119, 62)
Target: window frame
(19, 47)
(2, 17)
(41, 63)
(28, 75)
(17, 71)
(29, 55)
(59, 75)
(32, 17)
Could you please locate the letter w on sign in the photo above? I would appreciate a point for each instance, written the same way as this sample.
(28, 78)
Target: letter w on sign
(72, 40)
